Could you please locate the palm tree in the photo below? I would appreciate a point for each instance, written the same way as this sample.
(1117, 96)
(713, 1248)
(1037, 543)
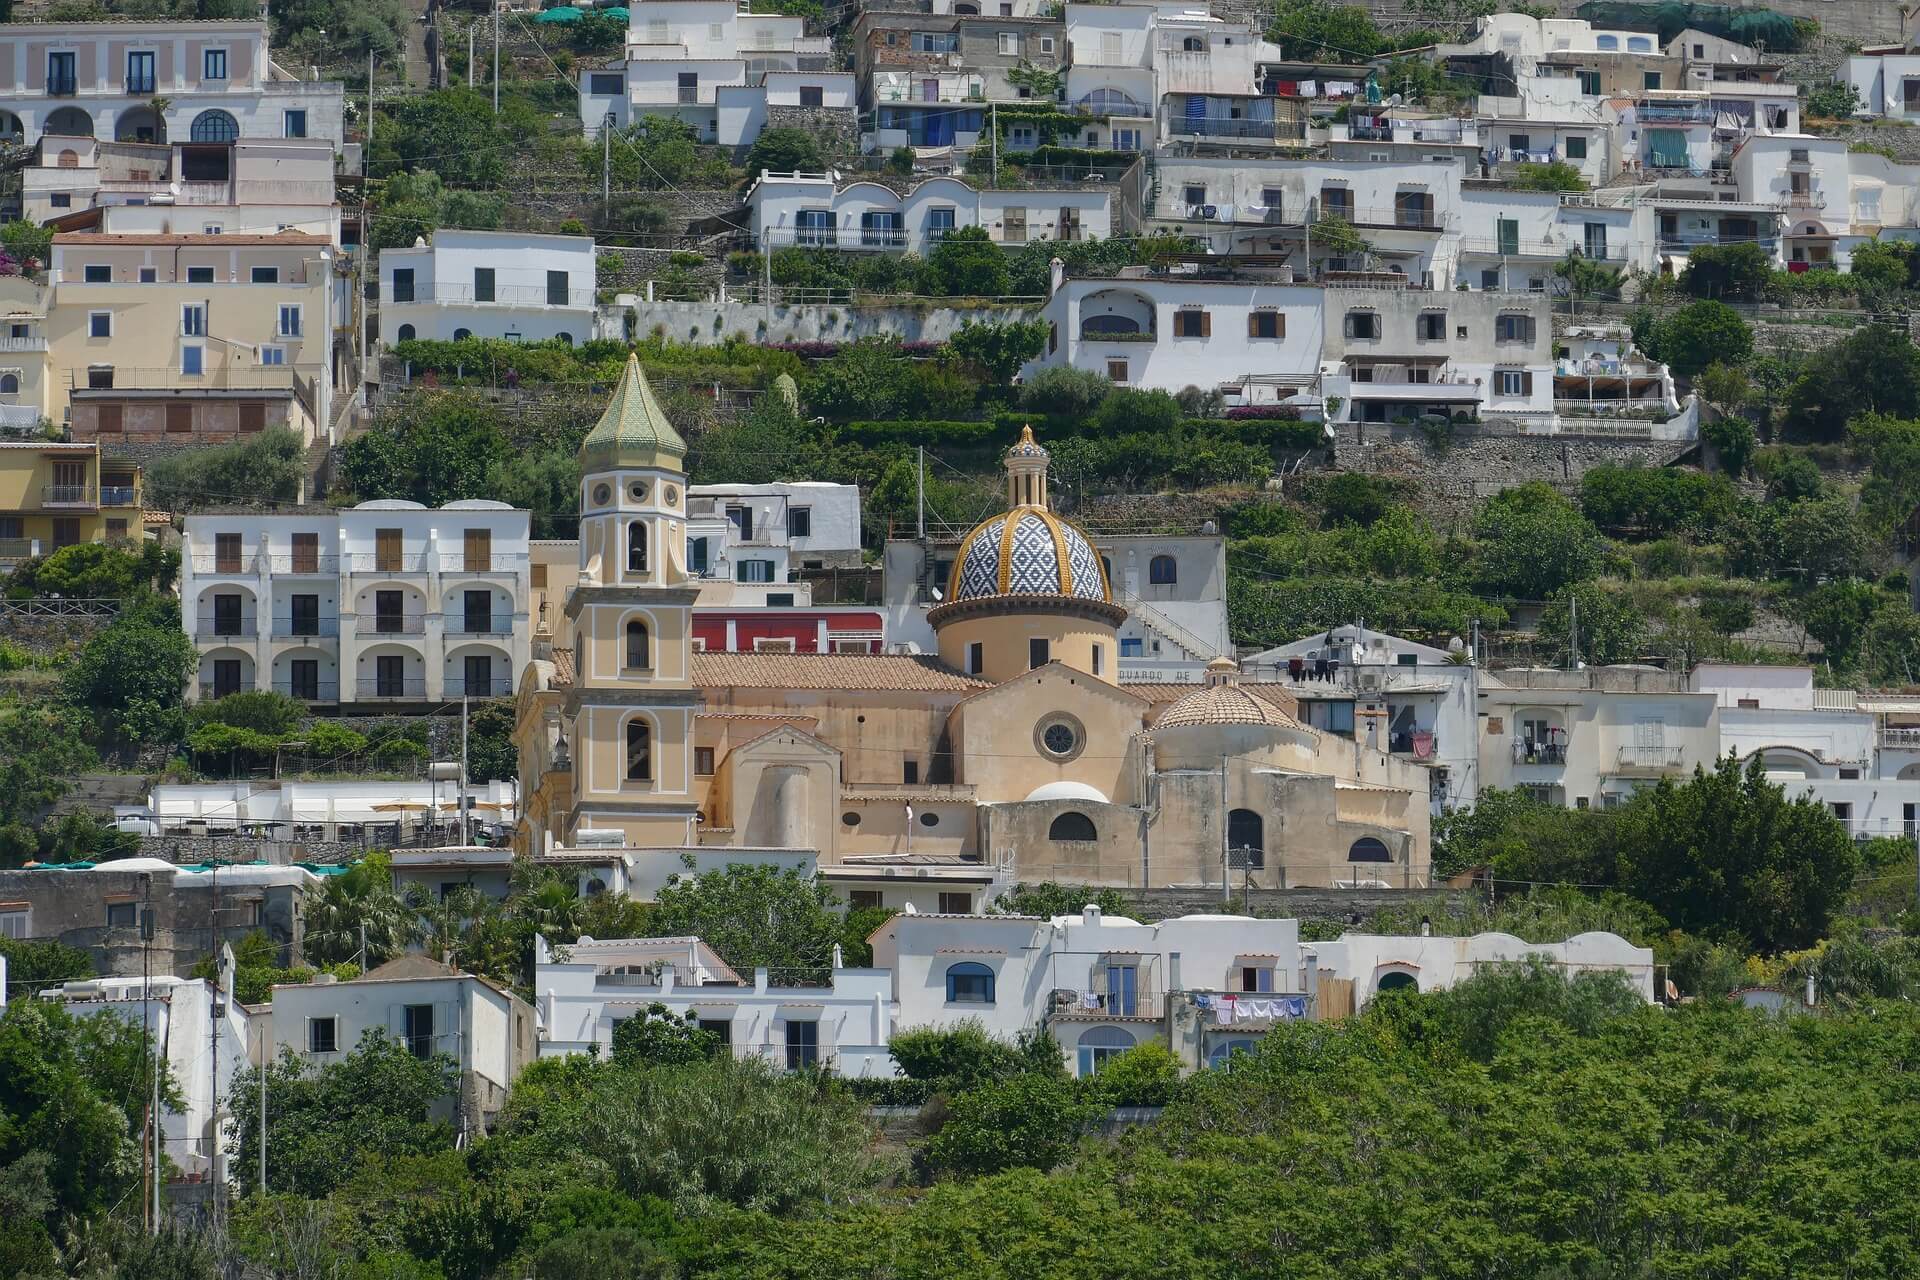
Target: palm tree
(358, 904)
(439, 924)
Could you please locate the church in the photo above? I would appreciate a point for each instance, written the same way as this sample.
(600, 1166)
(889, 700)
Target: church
(1012, 754)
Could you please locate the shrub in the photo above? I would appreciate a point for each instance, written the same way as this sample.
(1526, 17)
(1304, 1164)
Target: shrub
(1058, 389)
(1263, 412)
(1029, 1120)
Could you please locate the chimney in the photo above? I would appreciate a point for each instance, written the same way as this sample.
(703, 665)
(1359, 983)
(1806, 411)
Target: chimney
(1056, 275)
(1090, 916)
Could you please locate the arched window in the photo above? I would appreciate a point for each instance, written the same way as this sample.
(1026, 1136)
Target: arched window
(564, 337)
(1639, 44)
(1109, 324)
(215, 126)
(1112, 102)
(1097, 1044)
(637, 547)
(1606, 43)
(9, 384)
(639, 751)
(639, 651)
(405, 334)
(1193, 44)
(1223, 1053)
(969, 983)
(1072, 826)
(1367, 849)
(1246, 839)
(68, 160)
(1397, 982)
(1162, 572)
(461, 335)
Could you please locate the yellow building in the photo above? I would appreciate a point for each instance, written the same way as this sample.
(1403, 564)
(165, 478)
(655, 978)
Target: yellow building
(1013, 754)
(56, 495)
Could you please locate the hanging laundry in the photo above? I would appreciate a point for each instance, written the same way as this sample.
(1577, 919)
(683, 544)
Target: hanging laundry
(1089, 1000)
(1309, 88)
(1223, 1011)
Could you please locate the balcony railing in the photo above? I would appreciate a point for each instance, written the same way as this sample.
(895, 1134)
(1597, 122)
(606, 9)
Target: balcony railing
(139, 84)
(817, 237)
(231, 376)
(36, 342)
(883, 238)
(68, 495)
(210, 689)
(304, 628)
(1651, 760)
(212, 627)
(314, 691)
(1141, 1004)
(466, 624)
(116, 495)
(1804, 200)
(293, 564)
(409, 687)
(491, 687)
(1396, 218)
(1539, 753)
(499, 562)
(1113, 335)
(505, 295)
(213, 562)
(404, 562)
(1901, 739)
(1245, 130)
(62, 86)
(391, 624)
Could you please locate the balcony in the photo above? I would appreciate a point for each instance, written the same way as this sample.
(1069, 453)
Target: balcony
(1647, 762)
(1394, 219)
(1277, 131)
(1107, 1006)
(62, 86)
(118, 495)
(1088, 333)
(217, 377)
(380, 562)
(36, 342)
(502, 562)
(821, 237)
(1900, 739)
(1551, 754)
(391, 624)
(211, 689)
(305, 628)
(491, 687)
(882, 238)
(1804, 200)
(216, 563)
(468, 624)
(210, 626)
(304, 564)
(1495, 246)
(313, 691)
(69, 495)
(504, 295)
(414, 687)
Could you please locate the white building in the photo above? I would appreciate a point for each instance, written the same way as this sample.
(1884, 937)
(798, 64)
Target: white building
(381, 814)
(836, 1019)
(1886, 80)
(516, 285)
(430, 1008)
(385, 603)
(1831, 199)
(727, 72)
(801, 525)
(1377, 962)
(1254, 343)
(824, 211)
(1532, 233)
(178, 1015)
(253, 186)
(1397, 355)
(217, 79)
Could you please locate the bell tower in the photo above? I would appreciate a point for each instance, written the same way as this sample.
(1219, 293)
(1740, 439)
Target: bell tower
(629, 714)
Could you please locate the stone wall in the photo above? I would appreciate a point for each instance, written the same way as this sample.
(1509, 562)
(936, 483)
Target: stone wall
(710, 323)
(1347, 907)
(227, 849)
(836, 129)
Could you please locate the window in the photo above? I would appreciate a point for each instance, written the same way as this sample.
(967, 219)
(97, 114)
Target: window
(1223, 1053)
(61, 78)
(814, 227)
(64, 200)
(296, 124)
(639, 647)
(1512, 382)
(1193, 44)
(639, 751)
(9, 384)
(1099, 659)
(604, 83)
(1072, 826)
(199, 275)
(976, 658)
(1590, 83)
(1246, 840)
(637, 547)
(264, 275)
(1098, 1044)
(1194, 194)
(703, 762)
(193, 320)
(753, 571)
(939, 222)
(557, 290)
(140, 71)
(214, 126)
(461, 335)
(1363, 324)
(799, 522)
(97, 273)
(192, 360)
(1046, 44)
(303, 679)
(323, 1035)
(1430, 326)
(1650, 80)
(213, 66)
(1037, 652)
(402, 287)
(386, 553)
(803, 1045)
(1009, 44)
(1132, 647)
(273, 355)
(483, 284)
(1510, 328)
(1576, 148)
(122, 915)
(960, 904)
(416, 1029)
(389, 676)
(1368, 849)
(969, 983)
(1117, 372)
(1266, 324)
(1162, 571)
(226, 553)
(936, 42)
(1015, 230)
(866, 900)
(303, 615)
(226, 677)
(1191, 322)
(812, 95)
(16, 921)
(99, 324)
(910, 772)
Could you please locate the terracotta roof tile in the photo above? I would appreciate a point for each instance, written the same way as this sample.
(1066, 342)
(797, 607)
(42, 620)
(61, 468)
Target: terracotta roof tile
(1160, 692)
(877, 671)
(96, 240)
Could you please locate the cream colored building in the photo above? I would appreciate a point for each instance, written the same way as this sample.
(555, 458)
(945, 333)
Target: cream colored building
(23, 351)
(190, 338)
(56, 495)
(1013, 754)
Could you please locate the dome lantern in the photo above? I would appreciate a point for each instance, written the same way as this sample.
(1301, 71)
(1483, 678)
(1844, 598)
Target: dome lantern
(1026, 464)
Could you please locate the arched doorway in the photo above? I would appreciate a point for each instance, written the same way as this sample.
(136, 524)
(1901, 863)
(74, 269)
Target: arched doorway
(140, 124)
(69, 122)
(1397, 982)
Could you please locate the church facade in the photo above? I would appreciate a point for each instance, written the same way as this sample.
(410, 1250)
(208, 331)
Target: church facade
(1014, 753)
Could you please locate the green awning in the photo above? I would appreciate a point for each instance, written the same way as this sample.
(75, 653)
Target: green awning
(1667, 149)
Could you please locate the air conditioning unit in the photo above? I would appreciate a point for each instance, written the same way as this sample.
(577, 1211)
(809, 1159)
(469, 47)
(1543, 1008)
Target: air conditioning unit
(1372, 681)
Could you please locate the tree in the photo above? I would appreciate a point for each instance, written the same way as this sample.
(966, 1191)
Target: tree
(262, 711)
(1821, 537)
(1027, 1120)
(1832, 100)
(1318, 31)
(1700, 334)
(784, 150)
(1835, 614)
(965, 1056)
(753, 916)
(1890, 649)
(360, 901)
(130, 674)
(1726, 854)
(1556, 176)
(99, 571)
(1533, 542)
(965, 264)
(1060, 390)
(1723, 386)
(1874, 369)
(657, 1037)
(1047, 899)
(1000, 350)
(355, 25)
(769, 442)
(325, 1122)
(1883, 264)
(27, 242)
(490, 752)
(437, 448)
(41, 748)
(451, 135)
(1586, 278)
(1739, 272)
(1734, 441)
(1611, 628)
(34, 966)
(264, 469)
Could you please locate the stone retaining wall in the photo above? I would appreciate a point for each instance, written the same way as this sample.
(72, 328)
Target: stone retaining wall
(711, 323)
(1342, 906)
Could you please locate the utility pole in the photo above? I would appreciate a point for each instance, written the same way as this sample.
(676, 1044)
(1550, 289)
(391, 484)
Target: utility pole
(369, 143)
(265, 1059)
(993, 134)
(460, 797)
(496, 57)
(606, 159)
(1226, 881)
(1573, 628)
(920, 495)
(149, 1149)
(471, 27)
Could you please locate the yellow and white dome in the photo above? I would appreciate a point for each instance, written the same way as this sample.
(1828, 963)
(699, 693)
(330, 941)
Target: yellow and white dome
(1028, 551)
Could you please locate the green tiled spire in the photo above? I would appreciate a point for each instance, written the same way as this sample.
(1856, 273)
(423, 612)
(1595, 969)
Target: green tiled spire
(633, 432)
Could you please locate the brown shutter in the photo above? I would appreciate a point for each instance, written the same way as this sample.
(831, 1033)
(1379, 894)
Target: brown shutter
(479, 550)
(386, 550)
(180, 418)
(1253, 324)
(1053, 338)
(253, 416)
(1347, 322)
(111, 421)
(539, 572)
(1206, 324)
(226, 553)
(306, 553)
(1279, 324)
(1526, 380)
(1530, 328)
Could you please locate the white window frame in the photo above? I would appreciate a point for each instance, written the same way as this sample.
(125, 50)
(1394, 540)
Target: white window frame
(1009, 44)
(1509, 382)
(254, 275)
(274, 356)
(99, 315)
(333, 1021)
(200, 354)
(1046, 44)
(193, 319)
(294, 310)
(16, 921)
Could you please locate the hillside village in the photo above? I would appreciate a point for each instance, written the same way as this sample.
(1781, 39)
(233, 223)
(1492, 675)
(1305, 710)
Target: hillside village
(694, 638)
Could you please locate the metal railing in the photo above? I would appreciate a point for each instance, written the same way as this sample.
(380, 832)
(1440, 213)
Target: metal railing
(304, 628)
(883, 238)
(304, 564)
(214, 689)
(530, 295)
(317, 691)
(463, 624)
(68, 495)
(1110, 1004)
(491, 687)
(212, 626)
(405, 562)
(230, 376)
(62, 86)
(117, 495)
(1539, 753)
(1901, 739)
(409, 687)
(391, 624)
(1652, 759)
(1245, 130)
(1397, 219)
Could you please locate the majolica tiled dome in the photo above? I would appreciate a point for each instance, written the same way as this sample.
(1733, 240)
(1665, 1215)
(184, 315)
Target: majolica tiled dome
(1028, 551)
(1222, 701)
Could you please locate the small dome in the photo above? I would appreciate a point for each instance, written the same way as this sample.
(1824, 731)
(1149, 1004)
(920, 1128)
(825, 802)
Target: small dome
(1028, 551)
(1027, 447)
(1223, 704)
(1067, 791)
